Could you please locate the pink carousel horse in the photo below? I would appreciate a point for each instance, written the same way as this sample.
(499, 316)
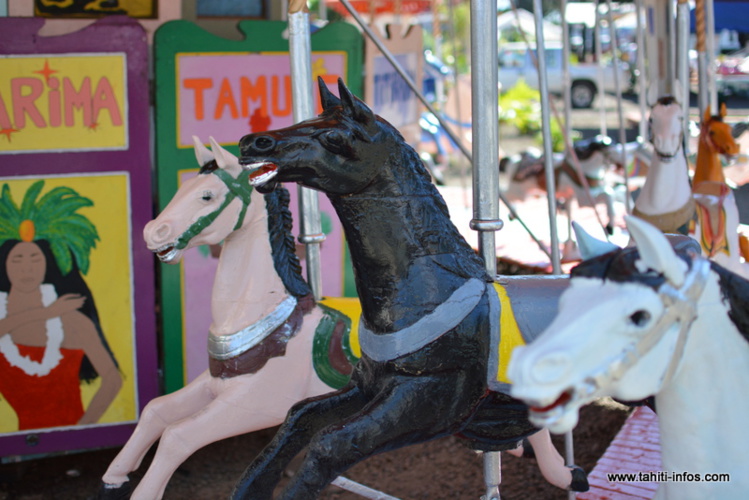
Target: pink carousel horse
(655, 319)
(260, 303)
(667, 199)
(260, 343)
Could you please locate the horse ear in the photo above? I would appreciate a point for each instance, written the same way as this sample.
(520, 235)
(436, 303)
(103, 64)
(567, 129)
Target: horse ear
(202, 153)
(723, 110)
(652, 97)
(327, 98)
(225, 159)
(355, 107)
(589, 246)
(656, 252)
(706, 116)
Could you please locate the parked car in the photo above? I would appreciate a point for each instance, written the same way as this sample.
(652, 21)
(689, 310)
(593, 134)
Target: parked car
(515, 62)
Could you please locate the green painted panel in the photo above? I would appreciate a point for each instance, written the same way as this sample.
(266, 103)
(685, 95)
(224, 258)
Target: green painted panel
(210, 86)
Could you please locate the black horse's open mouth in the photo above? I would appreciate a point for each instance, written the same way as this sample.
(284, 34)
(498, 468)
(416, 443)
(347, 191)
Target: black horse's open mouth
(260, 172)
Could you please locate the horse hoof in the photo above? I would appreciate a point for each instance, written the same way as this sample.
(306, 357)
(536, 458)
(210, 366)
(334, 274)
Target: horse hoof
(112, 492)
(579, 481)
(528, 451)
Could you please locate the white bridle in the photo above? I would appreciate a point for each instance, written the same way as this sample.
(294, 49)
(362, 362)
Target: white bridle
(680, 306)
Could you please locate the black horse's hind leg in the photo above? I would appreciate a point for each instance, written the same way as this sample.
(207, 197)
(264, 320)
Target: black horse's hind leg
(303, 421)
(400, 415)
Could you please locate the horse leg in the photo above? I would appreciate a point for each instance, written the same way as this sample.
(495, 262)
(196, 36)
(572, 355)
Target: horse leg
(223, 418)
(303, 421)
(156, 416)
(393, 419)
(552, 466)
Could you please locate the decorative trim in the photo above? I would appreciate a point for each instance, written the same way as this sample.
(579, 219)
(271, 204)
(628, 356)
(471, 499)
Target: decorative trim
(389, 346)
(223, 347)
(669, 222)
(55, 336)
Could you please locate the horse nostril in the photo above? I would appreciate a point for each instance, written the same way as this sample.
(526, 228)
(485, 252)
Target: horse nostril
(550, 368)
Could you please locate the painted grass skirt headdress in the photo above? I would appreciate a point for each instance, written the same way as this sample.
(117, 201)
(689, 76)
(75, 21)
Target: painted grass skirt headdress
(52, 218)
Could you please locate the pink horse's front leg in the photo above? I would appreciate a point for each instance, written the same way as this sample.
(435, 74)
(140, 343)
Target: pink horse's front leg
(156, 417)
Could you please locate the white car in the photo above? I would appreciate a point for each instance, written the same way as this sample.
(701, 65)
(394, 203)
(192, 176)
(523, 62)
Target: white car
(515, 62)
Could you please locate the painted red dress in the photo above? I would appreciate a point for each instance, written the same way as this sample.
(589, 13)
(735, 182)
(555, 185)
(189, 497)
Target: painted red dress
(41, 382)
(50, 400)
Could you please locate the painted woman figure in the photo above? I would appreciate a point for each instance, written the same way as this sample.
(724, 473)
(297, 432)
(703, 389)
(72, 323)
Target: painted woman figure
(50, 335)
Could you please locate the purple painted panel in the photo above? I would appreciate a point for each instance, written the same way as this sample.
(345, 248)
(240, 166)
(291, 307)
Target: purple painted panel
(92, 127)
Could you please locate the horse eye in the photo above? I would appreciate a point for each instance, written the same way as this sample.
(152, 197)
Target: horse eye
(640, 318)
(334, 137)
(207, 196)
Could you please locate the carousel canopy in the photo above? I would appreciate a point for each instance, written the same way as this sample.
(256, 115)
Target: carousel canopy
(729, 15)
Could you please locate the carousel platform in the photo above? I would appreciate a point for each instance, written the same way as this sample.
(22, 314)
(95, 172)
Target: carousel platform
(635, 449)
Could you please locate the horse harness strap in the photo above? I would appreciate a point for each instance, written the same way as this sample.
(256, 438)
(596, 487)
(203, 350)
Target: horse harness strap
(238, 188)
(223, 347)
(670, 222)
(445, 317)
(680, 307)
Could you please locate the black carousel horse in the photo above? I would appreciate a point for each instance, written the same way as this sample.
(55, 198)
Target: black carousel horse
(428, 305)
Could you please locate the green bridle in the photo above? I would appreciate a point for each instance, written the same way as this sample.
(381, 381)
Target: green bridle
(238, 188)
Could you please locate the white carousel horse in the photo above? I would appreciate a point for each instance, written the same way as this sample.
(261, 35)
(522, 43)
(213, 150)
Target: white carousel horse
(652, 320)
(669, 202)
(261, 339)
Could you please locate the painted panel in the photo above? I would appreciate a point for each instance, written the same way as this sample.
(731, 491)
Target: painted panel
(63, 102)
(385, 90)
(210, 86)
(95, 8)
(75, 194)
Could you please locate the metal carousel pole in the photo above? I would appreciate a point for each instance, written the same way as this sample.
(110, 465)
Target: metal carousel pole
(485, 126)
(543, 81)
(682, 65)
(702, 58)
(619, 109)
(300, 53)
(641, 77)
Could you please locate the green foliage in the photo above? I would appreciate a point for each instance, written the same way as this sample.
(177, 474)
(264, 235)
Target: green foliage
(520, 106)
(70, 234)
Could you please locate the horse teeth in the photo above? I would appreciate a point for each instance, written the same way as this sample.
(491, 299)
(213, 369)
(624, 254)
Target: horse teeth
(166, 253)
(262, 172)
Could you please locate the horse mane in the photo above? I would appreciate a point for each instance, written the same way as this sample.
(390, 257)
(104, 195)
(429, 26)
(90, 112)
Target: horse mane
(282, 243)
(735, 292)
(619, 266)
(438, 232)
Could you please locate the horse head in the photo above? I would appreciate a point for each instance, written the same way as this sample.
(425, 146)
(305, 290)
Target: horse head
(206, 208)
(344, 151)
(718, 135)
(666, 131)
(620, 323)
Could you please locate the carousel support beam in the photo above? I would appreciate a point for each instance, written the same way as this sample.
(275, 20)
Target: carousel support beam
(300, 53)
(543, 81)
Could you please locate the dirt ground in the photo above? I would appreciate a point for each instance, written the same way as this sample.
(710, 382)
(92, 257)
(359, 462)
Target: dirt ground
(443, 469)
